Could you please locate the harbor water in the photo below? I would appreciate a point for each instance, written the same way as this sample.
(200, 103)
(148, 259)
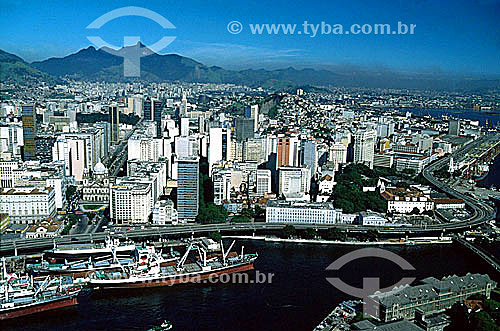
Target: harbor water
(297, 298)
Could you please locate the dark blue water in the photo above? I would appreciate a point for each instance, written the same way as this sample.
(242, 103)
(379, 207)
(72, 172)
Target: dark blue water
(493, 119)
(298, 298)
(493, 177)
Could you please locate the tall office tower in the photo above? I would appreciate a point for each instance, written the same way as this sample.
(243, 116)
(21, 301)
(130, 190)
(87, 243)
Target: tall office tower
(244, 129)
(288, 151)
(219, 146)
(294, 180)
(152, 112)
(454, 127)
(283, 152)
(29, 131)
(184, 126)
(187, 146)
(187, 189)
(114, 120)
(364, 147)
(263, 181)
(338, 154)
(183, 107)
(310, 156)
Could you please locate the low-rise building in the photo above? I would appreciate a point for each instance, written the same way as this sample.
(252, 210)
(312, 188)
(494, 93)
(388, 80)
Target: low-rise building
(371, 218)
(278, 211)
(433, 295)
(45, 229)
(404, 201)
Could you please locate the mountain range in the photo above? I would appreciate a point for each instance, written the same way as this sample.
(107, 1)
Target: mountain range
(93, 64)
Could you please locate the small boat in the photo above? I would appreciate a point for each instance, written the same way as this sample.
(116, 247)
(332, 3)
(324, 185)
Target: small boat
(166, 325)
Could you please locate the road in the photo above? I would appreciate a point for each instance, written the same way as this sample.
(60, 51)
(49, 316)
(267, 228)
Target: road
(481, 214)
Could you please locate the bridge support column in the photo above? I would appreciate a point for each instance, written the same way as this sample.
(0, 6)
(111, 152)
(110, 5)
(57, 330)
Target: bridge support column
(15, 249)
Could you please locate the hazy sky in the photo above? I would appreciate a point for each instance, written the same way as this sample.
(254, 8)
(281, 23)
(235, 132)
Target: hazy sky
(450, 36)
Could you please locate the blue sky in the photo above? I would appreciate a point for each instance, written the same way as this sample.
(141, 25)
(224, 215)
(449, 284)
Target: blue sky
(451, 36)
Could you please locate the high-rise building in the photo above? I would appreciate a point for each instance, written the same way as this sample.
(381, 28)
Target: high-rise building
(310, 155)
(338, 155)
(114, 120)
(253, 113)
(220, 146)
(263, 182)
(152, 112)
(184, 126)
(294, 180)
(454, 127)
(187, 189)
(364, 147)
(244, 129)
(29, 131)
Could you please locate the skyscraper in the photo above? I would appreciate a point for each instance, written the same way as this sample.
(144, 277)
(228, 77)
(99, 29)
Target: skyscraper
(454, 128)
(114, 120)
(29, 131)
(364, 147)
(188, 189)
(244, 129)
(152, 112)
(220, 146)
(310, 155)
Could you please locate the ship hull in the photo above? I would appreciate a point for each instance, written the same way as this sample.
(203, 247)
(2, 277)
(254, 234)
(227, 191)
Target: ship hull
(172, 279)
(37, 308)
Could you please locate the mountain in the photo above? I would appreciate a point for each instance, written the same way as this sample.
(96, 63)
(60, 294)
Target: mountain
(13, 69)
(105, 65)
(100, 64)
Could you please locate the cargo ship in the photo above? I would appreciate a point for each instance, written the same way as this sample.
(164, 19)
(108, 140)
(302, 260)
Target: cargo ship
(92, 248)
(81, 268)
(482, 172)
(26, 296)
(156, 273)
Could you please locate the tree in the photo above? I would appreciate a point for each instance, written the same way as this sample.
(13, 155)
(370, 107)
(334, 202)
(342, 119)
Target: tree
(288, 231)
(335, 234)
(309, 233)
(70, 191)
(240, 219)
(415, 211)
(215, 236)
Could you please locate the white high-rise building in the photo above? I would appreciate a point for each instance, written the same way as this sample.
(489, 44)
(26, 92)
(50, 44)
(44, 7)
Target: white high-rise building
(254, 114)
(263, 182)
(130, 202)
(364, 147)
(144, 148)
(294, 180)
(219, 146)
(338, 155)
(187, 146)
(184, 126)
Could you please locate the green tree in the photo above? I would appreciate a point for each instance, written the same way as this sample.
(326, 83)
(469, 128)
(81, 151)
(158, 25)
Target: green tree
(288, 231)
(335, 234)
(309, 233)
(216, 236)
(70, 190)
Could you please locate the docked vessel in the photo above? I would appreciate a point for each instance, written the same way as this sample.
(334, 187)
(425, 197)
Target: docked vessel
(158, 273)
(482, 172)
(25, 296)
(110, 263)
(92, 248)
